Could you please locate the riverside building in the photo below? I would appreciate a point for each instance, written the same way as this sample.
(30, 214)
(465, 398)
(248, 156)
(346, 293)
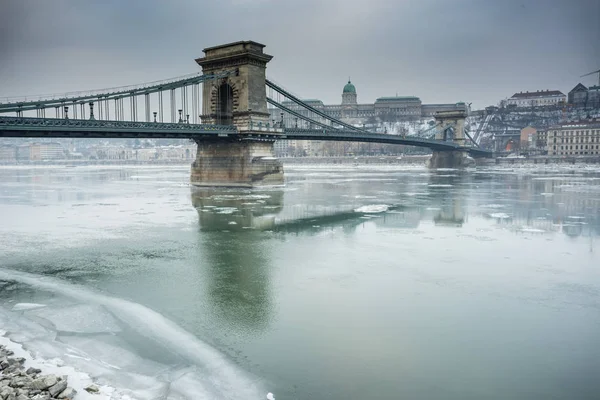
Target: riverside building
(574, 139)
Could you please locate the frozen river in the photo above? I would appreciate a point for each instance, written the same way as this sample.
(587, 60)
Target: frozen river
(348, 283)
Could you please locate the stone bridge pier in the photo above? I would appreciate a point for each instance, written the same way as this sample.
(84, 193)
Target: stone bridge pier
(450, 126)
(240, 99)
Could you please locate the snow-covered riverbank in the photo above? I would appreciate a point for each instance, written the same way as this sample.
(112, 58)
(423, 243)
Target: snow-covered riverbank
(27, 377)
(127, 349)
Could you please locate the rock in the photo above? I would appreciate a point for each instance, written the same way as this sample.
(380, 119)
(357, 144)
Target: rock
(4, 364)
(57, 388)
(41, 397)
(5, 392)
(10, 369)
(22, 397)
(31, 371)
(92, 389)
(20, 381)
(69, 393)
(44, 382)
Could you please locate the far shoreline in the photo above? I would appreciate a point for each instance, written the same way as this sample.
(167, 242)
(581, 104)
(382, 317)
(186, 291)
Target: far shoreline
(417, 159)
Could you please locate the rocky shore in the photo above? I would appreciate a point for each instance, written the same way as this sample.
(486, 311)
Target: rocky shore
(18, 383)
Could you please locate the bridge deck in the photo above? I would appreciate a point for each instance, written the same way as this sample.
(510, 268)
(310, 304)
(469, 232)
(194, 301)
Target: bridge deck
(75, 128)
(343, 135)
(79, 128)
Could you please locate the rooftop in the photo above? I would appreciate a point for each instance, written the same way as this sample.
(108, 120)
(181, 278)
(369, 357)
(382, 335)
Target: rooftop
(579, 87)
(586, 124)
(397, 98)
(349, 88)
(538, 93)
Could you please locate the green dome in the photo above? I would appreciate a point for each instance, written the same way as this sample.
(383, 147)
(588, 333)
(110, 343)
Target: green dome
(349, 88)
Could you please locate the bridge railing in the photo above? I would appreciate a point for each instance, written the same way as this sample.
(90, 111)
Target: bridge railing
(18, 123)
(94, 93)
(181, 101)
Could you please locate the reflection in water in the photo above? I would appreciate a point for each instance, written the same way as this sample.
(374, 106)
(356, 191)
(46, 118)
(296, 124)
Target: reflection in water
(533, 203)
(59, 184)
(277, 279)
(232, 210)
(238, 281)
(540, 202)
(238, 264)
(448, 191)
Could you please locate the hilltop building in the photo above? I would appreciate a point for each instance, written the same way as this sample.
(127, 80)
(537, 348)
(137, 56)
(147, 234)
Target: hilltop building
(585, 97)
(395, 108)
(350, 111)
(539, 98)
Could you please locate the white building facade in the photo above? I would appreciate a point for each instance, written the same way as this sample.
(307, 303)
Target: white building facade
(540, 98)
(574, 139)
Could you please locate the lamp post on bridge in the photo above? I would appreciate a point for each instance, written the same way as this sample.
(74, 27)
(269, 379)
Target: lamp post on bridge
(91, 110)
(66, 112)
(155, 116)
(180, 116)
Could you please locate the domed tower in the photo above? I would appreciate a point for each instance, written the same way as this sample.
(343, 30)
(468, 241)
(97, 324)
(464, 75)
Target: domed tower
(349, 94)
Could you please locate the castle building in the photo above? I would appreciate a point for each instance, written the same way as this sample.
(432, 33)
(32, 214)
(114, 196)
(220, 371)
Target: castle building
(350, 111)
(395, 108)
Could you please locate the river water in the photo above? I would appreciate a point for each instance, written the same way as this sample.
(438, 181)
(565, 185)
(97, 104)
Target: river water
(348, 283)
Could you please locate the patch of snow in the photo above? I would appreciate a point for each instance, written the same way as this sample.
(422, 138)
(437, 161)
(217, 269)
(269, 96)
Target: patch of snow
(532, 230)
(499, 215)
(373, 208)
(27, 306)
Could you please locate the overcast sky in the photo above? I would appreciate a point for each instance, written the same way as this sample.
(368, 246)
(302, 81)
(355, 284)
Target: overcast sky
(478, 51)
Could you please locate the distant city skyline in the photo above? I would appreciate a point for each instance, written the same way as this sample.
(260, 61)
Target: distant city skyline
(441, 51)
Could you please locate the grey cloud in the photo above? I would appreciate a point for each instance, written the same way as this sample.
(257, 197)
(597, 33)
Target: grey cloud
(442, 51)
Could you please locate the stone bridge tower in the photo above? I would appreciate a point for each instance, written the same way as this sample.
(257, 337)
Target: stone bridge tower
(450, 127)
(239, 99)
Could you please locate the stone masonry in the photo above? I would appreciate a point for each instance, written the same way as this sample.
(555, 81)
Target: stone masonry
(450, 126)
(236, 164)
(246, 160)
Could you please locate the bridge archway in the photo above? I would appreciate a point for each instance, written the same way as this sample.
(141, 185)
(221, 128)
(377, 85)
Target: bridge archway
(449, 134)
(224, 104)
(451, 126)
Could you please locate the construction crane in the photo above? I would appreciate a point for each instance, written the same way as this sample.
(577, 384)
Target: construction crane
(592, 73)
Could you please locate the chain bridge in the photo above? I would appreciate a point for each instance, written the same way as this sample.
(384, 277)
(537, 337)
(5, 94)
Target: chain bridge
(227, 110)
